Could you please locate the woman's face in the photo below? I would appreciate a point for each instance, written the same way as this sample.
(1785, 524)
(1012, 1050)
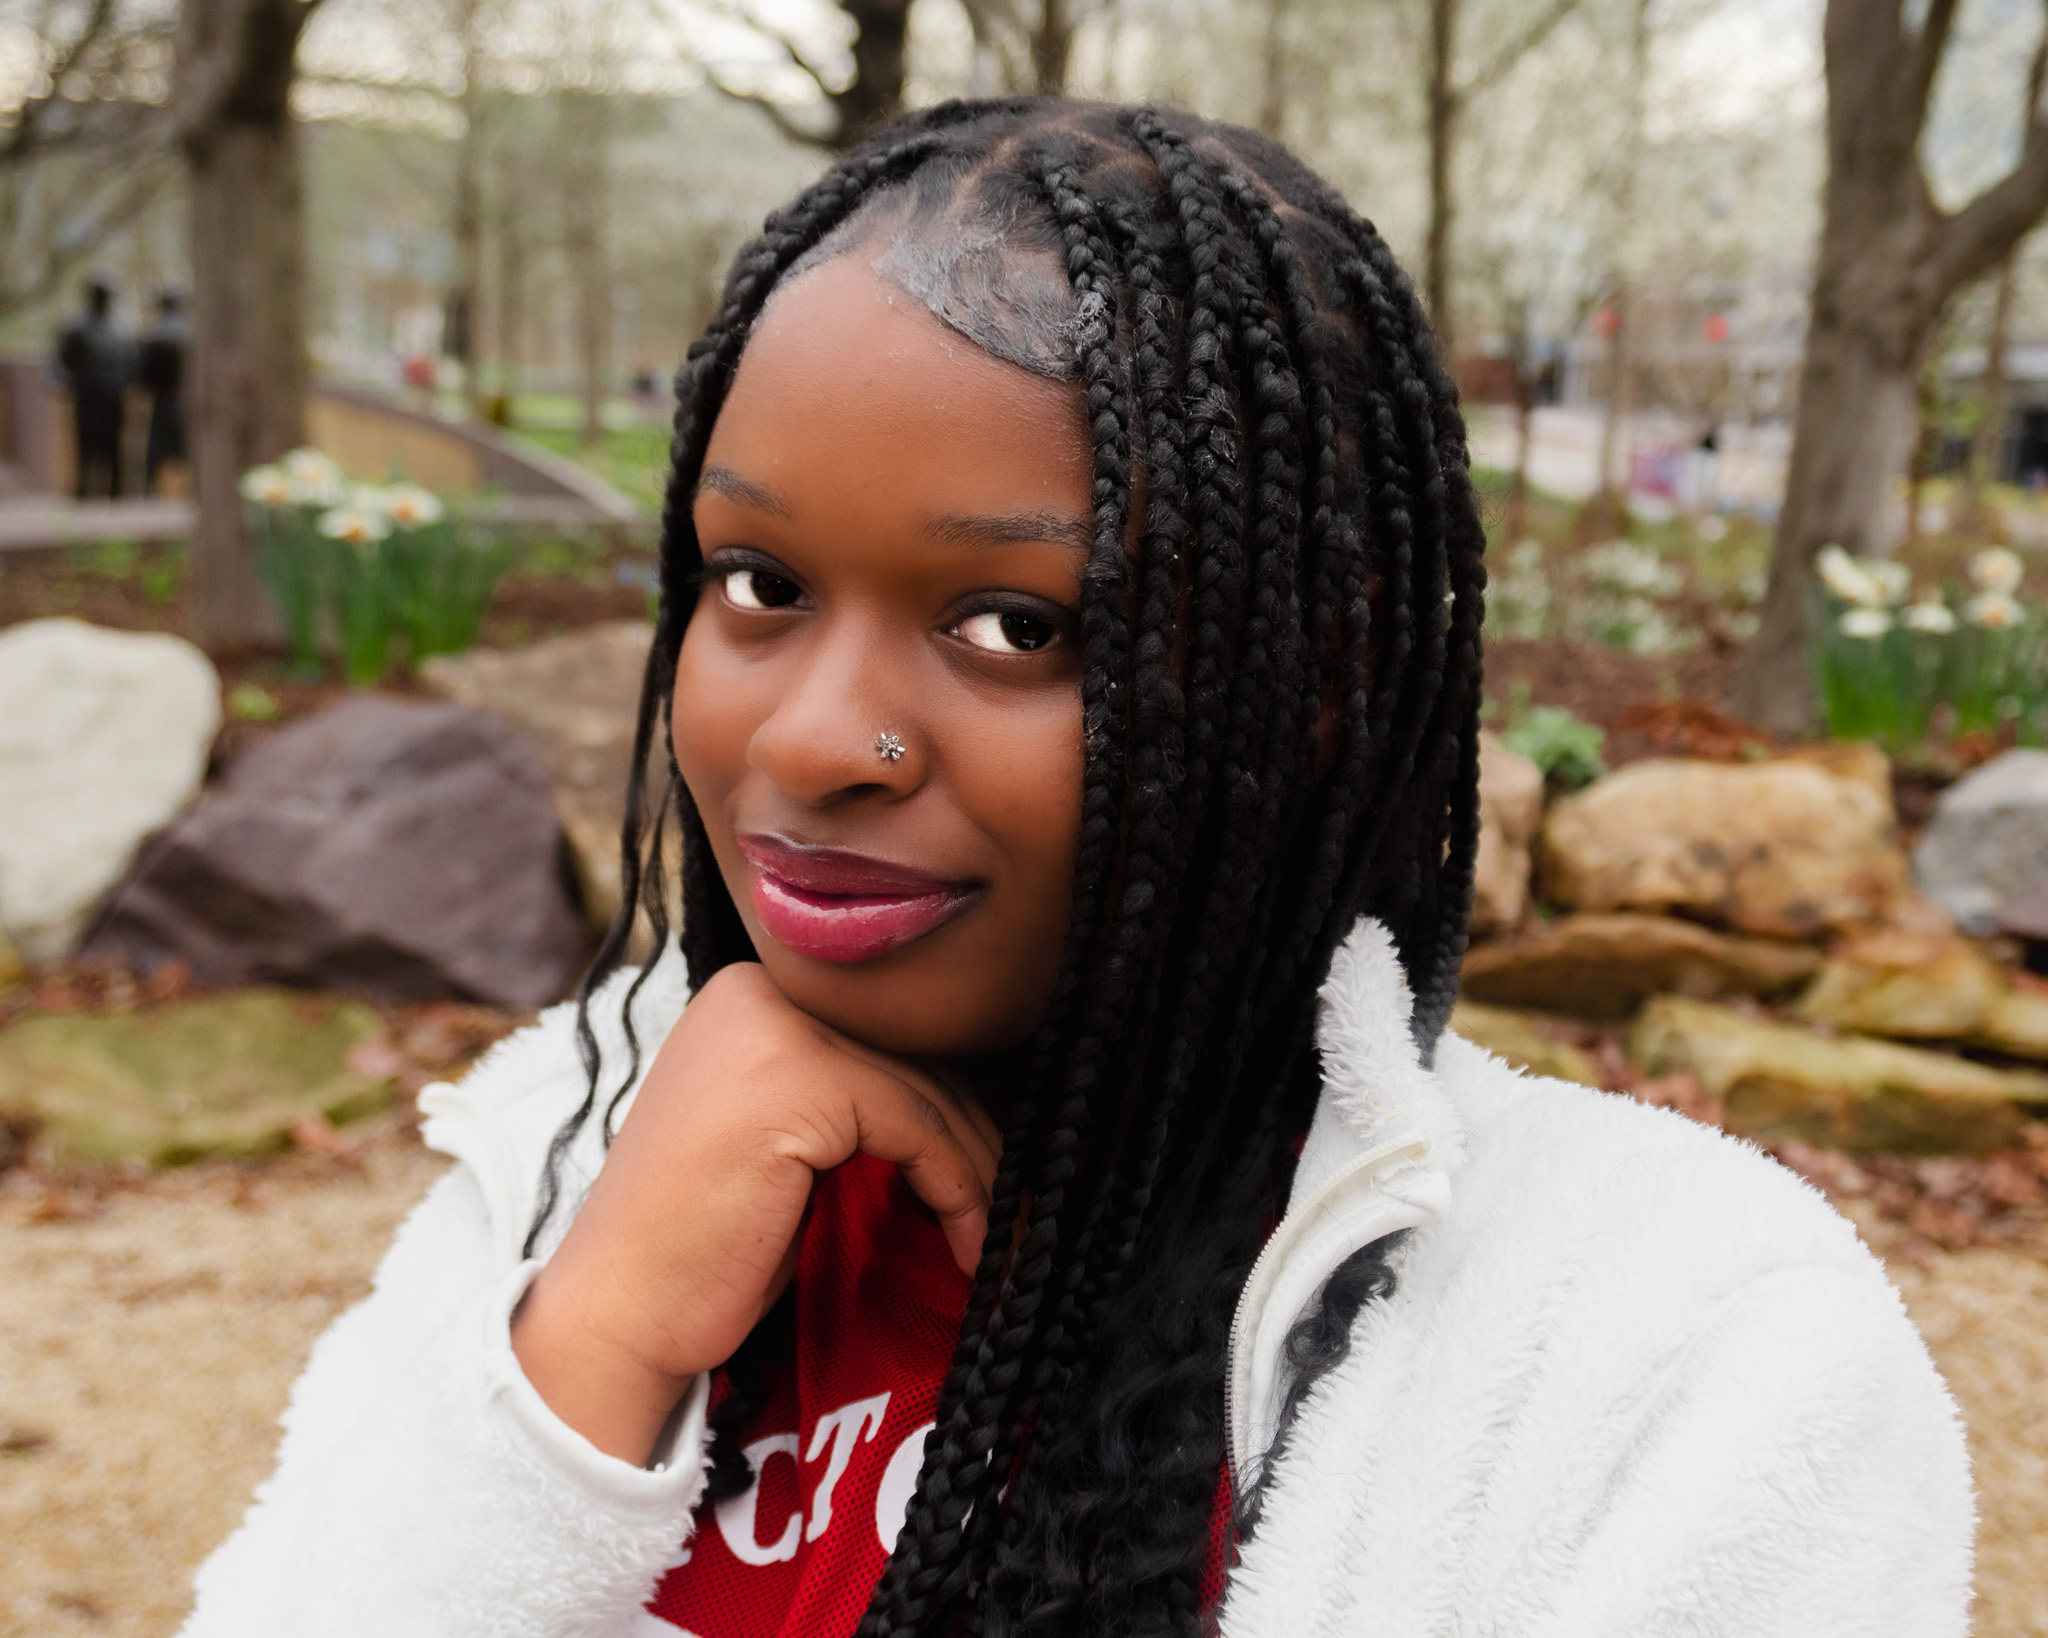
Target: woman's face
(878, 703)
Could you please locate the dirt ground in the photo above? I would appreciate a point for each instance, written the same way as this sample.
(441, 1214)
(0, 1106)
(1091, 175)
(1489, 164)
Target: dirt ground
(150, 1330)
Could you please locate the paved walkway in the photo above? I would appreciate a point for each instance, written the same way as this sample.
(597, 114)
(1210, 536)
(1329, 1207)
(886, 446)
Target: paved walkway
(38, 522)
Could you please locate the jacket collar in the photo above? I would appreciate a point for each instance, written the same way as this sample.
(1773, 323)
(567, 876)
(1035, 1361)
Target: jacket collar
(1379, 1158)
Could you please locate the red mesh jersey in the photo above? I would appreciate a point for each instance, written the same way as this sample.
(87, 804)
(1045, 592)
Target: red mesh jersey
(838, 1448)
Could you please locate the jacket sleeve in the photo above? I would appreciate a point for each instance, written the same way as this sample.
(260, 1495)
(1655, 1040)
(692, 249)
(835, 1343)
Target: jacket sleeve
(423, 1486)
(1799, 1470)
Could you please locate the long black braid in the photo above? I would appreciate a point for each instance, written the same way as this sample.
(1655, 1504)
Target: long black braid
(1280, 628)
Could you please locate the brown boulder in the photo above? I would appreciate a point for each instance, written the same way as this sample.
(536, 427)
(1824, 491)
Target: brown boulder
(1949, 991)
(1604, 966)
(1510, 813)
(1783, 849)
(1779, 1081)
(395, 848)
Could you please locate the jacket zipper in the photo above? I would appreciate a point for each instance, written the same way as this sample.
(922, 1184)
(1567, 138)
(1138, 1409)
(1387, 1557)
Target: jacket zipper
(1358, 1174)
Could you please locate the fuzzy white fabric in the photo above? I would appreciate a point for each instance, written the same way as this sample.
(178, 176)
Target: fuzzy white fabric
(1635, 1379)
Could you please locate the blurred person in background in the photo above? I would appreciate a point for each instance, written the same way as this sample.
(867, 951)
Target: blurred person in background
(96, 363)
(161, 373)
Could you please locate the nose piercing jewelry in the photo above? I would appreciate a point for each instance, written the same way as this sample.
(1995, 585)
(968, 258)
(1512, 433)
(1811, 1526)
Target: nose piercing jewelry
(889, 746)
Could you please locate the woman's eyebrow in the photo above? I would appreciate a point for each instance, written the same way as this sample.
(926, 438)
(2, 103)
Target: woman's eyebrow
(1016, 529)
(722, 480)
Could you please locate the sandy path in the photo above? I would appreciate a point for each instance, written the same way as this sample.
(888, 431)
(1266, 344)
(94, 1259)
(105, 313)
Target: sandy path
(145, 1352)
(147, 1347)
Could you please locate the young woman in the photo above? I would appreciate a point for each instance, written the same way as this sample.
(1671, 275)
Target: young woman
(1058, 1208)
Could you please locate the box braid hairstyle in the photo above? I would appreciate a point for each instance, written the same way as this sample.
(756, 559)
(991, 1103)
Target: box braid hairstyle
(1280, 616)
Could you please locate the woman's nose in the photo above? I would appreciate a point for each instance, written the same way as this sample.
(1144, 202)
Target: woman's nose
(839, 730)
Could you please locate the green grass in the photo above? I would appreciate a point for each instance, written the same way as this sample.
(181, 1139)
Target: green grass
(633, 460)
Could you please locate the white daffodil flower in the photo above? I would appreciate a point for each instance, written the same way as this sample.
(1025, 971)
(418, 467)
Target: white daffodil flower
(1996, 569)
(1994, 611)
(1865, 624)
(1848, 579)
(411, 507)
(309, 466)
(355, 525)
(1930, 615)
(267, 486)
(1894, 580)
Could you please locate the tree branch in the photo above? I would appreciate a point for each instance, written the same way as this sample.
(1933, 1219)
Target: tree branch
(25, 140)
(1981, 234)
(1928, 48)
(777, 114)
(1532, 37)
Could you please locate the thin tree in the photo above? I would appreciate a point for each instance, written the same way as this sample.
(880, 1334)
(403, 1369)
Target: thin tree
(459, 341)
(1890, 260)
(1448, 97)
(1608, 511)
(1975, 513)
(231, 106)
(584, 140)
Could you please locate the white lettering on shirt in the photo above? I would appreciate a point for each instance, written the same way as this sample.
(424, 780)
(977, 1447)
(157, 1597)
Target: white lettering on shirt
(843, 1428)
(899, 1480)
(736, 1513)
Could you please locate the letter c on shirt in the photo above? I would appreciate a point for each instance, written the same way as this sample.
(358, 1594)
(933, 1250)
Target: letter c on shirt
(736, 1513)
(899, 1480)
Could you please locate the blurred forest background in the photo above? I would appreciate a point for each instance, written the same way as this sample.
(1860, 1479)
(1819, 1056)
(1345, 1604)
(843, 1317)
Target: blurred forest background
(1638, 224)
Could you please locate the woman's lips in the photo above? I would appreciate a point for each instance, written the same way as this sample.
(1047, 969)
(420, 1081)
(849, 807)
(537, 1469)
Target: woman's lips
(837, 906)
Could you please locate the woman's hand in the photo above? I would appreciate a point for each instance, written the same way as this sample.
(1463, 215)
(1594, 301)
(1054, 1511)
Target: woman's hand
(690, 1232)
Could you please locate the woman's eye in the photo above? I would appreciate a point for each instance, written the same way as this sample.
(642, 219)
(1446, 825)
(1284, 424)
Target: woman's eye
(758, 589)
(1007, 633)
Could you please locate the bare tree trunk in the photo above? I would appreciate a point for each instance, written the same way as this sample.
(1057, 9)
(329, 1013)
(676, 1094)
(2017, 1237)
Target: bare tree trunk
(1443, 135)
(511, 279)
(468, 228)
(1616, 449)
(1608, 512)
(875, 94)
(1975, 513)
(585, 120)
(1889, 261)
(1052, 44)
(1273, 84)
(248, 364)
(1516, 518)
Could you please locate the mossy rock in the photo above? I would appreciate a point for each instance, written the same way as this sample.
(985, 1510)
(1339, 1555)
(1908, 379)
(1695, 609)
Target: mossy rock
(1844, 1091)
(220, 1075)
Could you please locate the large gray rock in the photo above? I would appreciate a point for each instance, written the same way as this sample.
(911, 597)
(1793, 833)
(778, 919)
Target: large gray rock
(1988, 840)
(104, 737)
(400, 849)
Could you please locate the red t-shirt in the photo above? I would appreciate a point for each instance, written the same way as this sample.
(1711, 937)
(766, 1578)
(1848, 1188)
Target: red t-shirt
(837, 1450)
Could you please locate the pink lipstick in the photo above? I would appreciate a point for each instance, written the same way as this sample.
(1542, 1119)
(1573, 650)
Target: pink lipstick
(838, 906)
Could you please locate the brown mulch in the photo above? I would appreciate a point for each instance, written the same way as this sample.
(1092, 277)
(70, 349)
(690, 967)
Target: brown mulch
(1607, 686)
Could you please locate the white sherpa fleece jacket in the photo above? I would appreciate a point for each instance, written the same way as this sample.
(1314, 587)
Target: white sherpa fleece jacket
(1634, 1380)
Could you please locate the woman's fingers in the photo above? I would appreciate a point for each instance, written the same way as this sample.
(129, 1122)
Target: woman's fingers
(944, 1156)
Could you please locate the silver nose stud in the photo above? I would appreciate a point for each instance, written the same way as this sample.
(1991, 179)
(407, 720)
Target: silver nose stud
(888, 746)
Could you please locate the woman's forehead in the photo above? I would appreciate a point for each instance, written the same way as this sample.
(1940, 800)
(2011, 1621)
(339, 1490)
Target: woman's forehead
(981, 275)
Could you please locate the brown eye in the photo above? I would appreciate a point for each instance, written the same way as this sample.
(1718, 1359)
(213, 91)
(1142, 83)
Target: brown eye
(1007, 632)
(758, 589)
